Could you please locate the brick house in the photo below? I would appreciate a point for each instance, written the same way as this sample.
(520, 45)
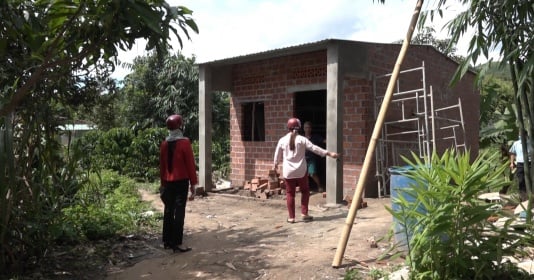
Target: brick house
(335, 84)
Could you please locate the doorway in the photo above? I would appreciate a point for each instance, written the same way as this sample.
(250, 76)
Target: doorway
(311, 106)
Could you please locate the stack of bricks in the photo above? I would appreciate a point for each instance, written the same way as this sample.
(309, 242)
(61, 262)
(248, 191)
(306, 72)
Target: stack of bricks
(265, 188)
(362, 204)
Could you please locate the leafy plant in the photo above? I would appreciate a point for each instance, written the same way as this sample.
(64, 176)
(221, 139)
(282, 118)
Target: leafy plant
(144, 160)
(353, 274)
(376, 274)
(446, 224)
(108, 205)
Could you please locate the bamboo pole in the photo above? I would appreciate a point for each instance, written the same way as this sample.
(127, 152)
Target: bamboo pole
(374, 138)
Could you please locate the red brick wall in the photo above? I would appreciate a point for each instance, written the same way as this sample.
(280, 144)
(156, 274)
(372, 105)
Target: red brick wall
(439, 71)
(268, 81)
(358, 111)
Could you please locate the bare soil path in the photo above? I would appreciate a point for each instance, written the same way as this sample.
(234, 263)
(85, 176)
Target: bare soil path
(235, 237)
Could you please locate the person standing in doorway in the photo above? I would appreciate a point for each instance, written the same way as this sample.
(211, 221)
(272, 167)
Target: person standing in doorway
(517, 162)
(291, 151)
(311, 158)
(178, 177)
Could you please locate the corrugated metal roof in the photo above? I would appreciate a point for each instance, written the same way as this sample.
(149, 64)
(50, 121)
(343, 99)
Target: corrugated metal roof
(302, 48)
(306, 47)
(77, 127)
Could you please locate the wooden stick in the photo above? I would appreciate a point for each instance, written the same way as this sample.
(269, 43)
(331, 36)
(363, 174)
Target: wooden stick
(374, 138)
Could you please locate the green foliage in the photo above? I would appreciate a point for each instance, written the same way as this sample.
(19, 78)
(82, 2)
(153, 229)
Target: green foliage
(56, 57)
(87, 144)
(496, 70)
(353, 274)
(449, 236)
(136, 156)
(221, 156)
(498, 123)
(114, 148)
(144, 160)
(106, 206)
(376, 274)
(67, 38)
(108, 149)
(120, 150)
(32, 201)
(509, 32)
(157, 88)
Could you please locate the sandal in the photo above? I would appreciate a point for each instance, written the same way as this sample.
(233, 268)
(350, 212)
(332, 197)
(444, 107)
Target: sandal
(307, 218)
(181, 249)
(291, 221)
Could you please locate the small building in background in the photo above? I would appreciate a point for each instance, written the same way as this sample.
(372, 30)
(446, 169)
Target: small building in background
(69, 132)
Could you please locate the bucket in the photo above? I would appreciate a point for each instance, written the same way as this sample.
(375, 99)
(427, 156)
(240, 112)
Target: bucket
(399, 184)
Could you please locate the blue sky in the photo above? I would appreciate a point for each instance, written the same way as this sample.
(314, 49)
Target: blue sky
(229, 28)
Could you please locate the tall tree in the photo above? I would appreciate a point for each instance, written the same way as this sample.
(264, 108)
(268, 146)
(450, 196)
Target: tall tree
(498, 125)
(505, 26)
(52, 53)
(38, 36)
(157, 88)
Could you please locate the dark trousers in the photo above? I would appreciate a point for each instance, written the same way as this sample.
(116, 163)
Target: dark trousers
(174, 197)
(520, 173)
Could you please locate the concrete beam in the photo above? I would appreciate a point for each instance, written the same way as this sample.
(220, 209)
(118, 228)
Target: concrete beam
(205, 96)
(334, 126)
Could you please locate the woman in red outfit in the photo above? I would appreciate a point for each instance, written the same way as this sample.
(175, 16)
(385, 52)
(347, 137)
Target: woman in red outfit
(177, 175)
(291, 150)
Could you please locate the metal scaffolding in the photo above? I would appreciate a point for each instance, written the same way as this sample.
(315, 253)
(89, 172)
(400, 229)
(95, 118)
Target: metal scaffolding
(413, 125)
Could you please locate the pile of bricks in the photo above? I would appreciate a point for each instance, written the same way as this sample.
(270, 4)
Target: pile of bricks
(361, 204)
(265, 188)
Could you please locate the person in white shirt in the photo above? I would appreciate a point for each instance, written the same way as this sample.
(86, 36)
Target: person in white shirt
(517, 162)
(291, 151)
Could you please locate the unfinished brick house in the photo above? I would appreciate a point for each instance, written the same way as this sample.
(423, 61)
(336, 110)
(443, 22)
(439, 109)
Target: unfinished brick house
(338, 85)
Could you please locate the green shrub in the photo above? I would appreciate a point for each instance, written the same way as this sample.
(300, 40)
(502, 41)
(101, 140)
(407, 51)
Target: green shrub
(88, 145)
(108, 205)
(144, 154)
(221, 156)
(451, 238)
(114, 148)
(136, 155)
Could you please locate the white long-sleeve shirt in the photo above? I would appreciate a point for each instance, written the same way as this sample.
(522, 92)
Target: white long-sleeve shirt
(294, 162)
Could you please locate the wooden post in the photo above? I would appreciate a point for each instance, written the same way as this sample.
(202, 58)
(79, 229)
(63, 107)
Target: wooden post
(374, 138)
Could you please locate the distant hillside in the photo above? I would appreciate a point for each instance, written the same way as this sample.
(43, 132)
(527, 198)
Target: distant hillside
(495, 70)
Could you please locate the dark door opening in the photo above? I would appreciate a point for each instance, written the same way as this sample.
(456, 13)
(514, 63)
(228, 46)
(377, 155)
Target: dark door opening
(311, 106)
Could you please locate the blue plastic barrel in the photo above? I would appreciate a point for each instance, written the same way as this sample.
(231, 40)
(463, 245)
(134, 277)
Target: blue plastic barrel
(399, 184)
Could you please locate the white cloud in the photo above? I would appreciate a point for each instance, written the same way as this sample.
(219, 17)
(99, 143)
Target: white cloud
(238, 27)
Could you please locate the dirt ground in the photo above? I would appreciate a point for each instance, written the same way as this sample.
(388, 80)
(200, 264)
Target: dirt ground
(236, 237)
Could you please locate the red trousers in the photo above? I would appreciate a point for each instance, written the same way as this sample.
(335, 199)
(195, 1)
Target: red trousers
(291, 185)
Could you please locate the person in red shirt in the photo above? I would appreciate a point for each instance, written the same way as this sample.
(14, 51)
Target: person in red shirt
(177, 175)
